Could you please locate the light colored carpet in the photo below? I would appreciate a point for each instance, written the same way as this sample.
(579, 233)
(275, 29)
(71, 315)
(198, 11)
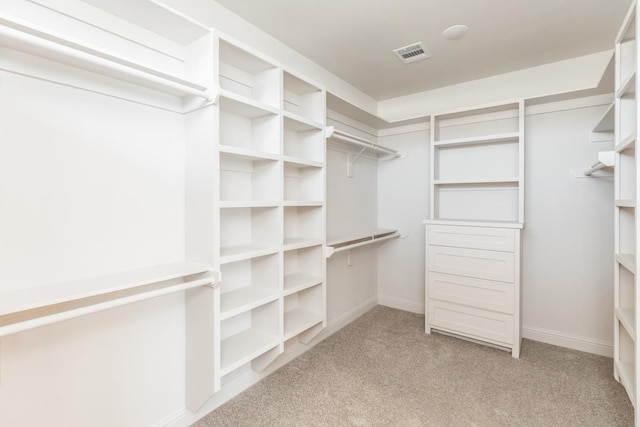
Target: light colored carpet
(382, 370)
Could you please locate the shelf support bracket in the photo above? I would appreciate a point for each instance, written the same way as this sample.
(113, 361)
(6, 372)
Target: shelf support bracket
(351, 160)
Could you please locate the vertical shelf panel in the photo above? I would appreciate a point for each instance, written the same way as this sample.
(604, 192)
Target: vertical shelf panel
(244, 178)
(626, 196)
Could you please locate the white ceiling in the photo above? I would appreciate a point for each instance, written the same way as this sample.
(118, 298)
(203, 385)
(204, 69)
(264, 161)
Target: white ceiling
(354, 39)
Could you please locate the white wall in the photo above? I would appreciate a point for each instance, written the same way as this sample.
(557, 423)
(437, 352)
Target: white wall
(89, 185)
(568, 236)
(403, 203)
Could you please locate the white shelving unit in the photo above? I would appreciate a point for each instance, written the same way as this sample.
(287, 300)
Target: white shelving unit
(473, 242)
(265, 209)
(626, 302)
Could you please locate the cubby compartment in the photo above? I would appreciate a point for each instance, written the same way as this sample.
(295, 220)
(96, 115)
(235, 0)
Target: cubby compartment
(627, 114)
(248, 335)
(627, 171)
(303, 183)
(482, 202)
(248, 284)
(303, 99)
(627, 52)
(303, 268)
(303, 226)
(625, 309)
(248, 127)
(303, 142)
(248, 75)
(475, 162)
(627, 228)
(245, 178)
(303, 310)
(249, 232)
(492, 122)
(625, 364)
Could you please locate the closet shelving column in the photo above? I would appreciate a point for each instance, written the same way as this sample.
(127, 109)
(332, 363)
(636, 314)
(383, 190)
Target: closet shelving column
(304, 208)
(248, 212)
(473, 277)
(626, 196)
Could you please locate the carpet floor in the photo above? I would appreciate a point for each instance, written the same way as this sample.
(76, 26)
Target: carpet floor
(382, 370)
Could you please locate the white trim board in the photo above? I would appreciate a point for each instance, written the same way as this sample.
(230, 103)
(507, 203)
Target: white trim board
(401, 304)
(563, 339)
(187, 418)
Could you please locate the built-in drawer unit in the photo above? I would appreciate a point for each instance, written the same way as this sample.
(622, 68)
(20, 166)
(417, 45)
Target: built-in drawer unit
(491, 239)
(473, 282)
(485, 294)
(497, 328)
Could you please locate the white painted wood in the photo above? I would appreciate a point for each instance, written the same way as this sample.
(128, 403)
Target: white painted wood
(489, 295)
(473, 282)
(477, 163)
(626, 351)
(495, 239)
(482, 264)
(483, 325)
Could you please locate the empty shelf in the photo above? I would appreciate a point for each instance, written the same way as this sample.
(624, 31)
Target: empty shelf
(244, 299)
(243, 347)
(299, 320)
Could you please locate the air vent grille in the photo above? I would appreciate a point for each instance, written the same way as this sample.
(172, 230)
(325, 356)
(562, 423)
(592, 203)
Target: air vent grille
(412, 53)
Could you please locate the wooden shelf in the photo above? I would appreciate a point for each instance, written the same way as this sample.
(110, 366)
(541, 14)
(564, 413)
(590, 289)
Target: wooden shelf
(627, 143)
(247, 153)
(292, 243)
(303, 203)
(625, 203)
(627, 261)
(464, 223)
(626, 371)
(626, 316)
(244, 106)
(297, 282)
(302, 163)
(245, 299)
(300, 123)
(506, 180)
(244, 347)
(25, 37)
(487, 139)
(249, 204)
(628, 87)
(19, 300)
(299, 320)
(235, 253)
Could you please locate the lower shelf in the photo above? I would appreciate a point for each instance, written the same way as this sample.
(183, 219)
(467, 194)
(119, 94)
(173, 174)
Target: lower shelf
(243, 299)
(243, 347)
(299, 281)
(299, 320)
(625, 371)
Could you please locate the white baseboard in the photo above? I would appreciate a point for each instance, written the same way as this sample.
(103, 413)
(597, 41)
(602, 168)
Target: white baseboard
(562, 339)
(186, 418)
(401, 304)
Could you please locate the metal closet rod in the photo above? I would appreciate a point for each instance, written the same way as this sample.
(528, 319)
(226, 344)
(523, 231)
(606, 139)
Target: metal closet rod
(95, 59)
(337, 134)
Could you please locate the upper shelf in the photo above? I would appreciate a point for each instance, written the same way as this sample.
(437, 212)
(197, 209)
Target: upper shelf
(96, 31)
(362, 143)
(485, 139)
(353, 242)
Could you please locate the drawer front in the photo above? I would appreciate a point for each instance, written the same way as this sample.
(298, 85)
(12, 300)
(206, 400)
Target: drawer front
(492, 239)
(472, 322)
(485, 294)
(476, 263)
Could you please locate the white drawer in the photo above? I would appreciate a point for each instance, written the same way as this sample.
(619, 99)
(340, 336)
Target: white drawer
(485, 294)
(472, 322)
(476, 263)
(493, 239)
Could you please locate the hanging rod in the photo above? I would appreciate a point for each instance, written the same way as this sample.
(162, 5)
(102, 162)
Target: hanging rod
(82, 56)
(332, 132)
(605, 160)
(361, 241)
(26, 309)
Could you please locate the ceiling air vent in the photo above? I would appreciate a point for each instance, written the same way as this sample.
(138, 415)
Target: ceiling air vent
(412, 53)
